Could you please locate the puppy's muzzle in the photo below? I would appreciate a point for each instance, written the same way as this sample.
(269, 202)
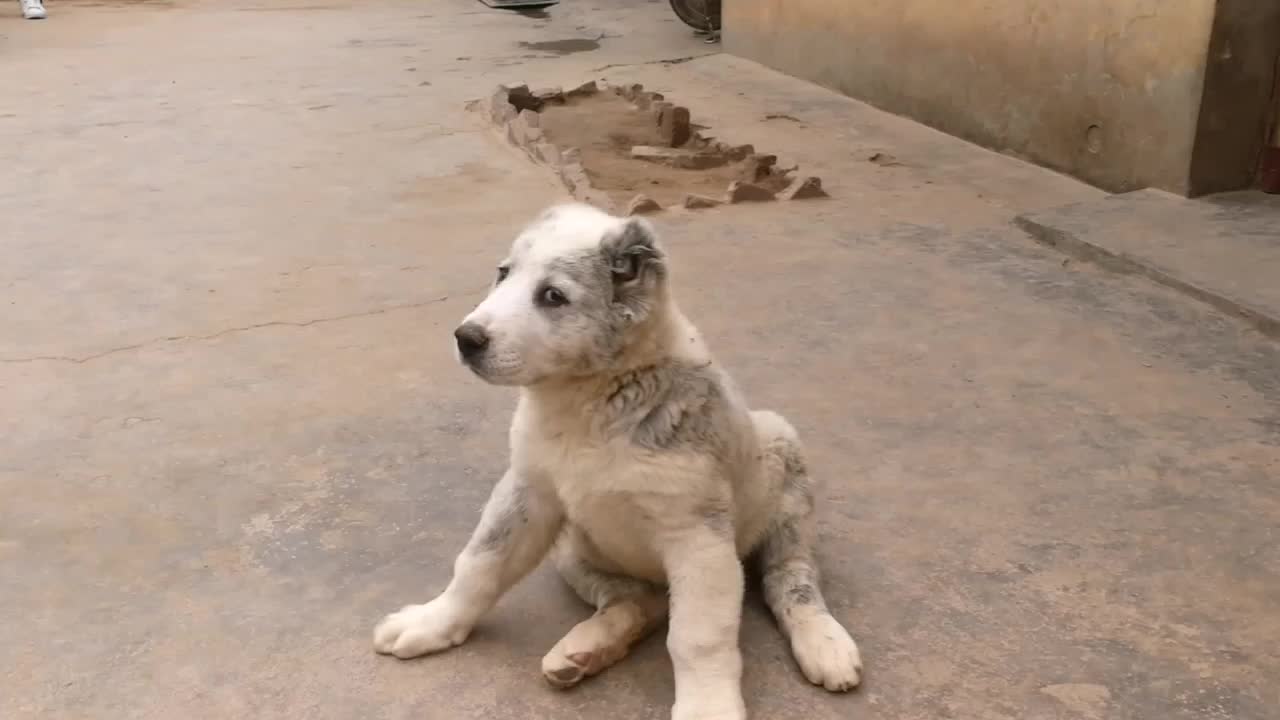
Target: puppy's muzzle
(473, 340)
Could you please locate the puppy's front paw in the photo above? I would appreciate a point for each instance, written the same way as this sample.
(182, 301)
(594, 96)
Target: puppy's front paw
(420, 630)
(827, 655)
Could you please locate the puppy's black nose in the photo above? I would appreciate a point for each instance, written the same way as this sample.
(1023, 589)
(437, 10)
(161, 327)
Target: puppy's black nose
(472, 340)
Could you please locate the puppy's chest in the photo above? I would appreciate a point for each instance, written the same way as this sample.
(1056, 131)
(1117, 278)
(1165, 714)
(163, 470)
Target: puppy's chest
(613, 493)
(585, 471)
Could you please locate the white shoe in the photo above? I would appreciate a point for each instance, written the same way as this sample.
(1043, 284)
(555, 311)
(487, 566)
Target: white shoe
(33, 9)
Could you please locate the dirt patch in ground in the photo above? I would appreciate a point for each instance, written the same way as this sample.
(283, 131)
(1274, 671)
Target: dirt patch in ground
(622, 147)
(604, 127)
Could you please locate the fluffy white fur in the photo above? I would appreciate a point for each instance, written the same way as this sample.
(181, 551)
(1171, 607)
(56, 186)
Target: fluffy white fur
(636, 463)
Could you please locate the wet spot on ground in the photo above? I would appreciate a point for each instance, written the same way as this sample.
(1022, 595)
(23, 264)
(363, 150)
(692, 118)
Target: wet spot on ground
(563, 47)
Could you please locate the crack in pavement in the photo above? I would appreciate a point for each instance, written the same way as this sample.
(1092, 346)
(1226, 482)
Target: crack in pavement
(233, 330)
(667, 61)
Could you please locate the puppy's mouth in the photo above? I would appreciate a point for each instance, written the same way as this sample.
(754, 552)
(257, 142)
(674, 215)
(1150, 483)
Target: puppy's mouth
(494, 373)
(476, 364)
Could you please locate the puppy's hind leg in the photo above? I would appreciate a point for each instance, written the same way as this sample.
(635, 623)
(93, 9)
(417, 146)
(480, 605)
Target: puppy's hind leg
(627, 610)
(825, 651)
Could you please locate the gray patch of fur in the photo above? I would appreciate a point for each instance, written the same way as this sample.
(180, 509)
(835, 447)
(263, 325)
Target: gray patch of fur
(791, 577)
(634, 256)
(669, 407)
(718, 517)
(797, 488)
(802, 594)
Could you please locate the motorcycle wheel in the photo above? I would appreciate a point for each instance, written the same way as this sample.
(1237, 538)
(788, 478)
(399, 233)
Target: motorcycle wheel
(698, 14)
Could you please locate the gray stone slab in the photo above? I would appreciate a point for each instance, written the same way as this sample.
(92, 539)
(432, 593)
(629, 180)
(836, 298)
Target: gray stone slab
(1223, 250)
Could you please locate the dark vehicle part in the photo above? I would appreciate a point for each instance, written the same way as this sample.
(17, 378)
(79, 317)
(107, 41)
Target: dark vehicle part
(701, 15)
(519, 4)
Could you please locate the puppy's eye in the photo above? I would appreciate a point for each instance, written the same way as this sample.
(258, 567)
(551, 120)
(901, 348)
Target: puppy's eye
(552, 297)
(503, 272)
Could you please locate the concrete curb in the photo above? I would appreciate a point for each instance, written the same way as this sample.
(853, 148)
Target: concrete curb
(1072, 244)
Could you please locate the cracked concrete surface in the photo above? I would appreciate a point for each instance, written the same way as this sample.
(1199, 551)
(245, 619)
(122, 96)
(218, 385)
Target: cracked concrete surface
(1051, 492)
(228, 331)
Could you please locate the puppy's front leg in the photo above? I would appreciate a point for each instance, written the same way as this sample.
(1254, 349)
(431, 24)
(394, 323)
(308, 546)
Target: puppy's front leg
(705, 576)
(518, 525)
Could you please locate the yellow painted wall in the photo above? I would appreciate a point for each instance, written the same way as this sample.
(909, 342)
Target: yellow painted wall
(1108, 90)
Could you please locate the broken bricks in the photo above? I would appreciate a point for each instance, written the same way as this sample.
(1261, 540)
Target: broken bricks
(642, 205)
(803, 189)
(522, 98)
(499, 107)
(757, 167)
(575, 179)
(586, 89)
(736, 153)
(700, 202)
(547, 153)
(516, 109)
(645, 100)
(740, 192)
(628, 92)
(673, 123)
(677, 157)
(551, 95)
(524, 130)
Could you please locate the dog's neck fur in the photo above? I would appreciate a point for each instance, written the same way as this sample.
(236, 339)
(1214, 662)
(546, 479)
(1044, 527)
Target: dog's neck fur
(664, 339)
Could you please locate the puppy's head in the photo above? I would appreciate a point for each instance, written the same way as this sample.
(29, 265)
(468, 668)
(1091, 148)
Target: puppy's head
(578, 289)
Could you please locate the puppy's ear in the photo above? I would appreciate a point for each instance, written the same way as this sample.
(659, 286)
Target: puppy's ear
(635, 256)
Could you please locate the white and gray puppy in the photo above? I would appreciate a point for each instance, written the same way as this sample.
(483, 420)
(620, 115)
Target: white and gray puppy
(636, 463)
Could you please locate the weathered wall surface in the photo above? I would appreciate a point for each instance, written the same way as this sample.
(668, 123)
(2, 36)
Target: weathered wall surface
(1107, 90)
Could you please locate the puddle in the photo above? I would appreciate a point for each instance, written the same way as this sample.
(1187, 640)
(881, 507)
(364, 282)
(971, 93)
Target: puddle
(563, 47)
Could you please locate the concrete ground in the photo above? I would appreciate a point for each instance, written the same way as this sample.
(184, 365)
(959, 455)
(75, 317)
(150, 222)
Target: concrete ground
(236, 235)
